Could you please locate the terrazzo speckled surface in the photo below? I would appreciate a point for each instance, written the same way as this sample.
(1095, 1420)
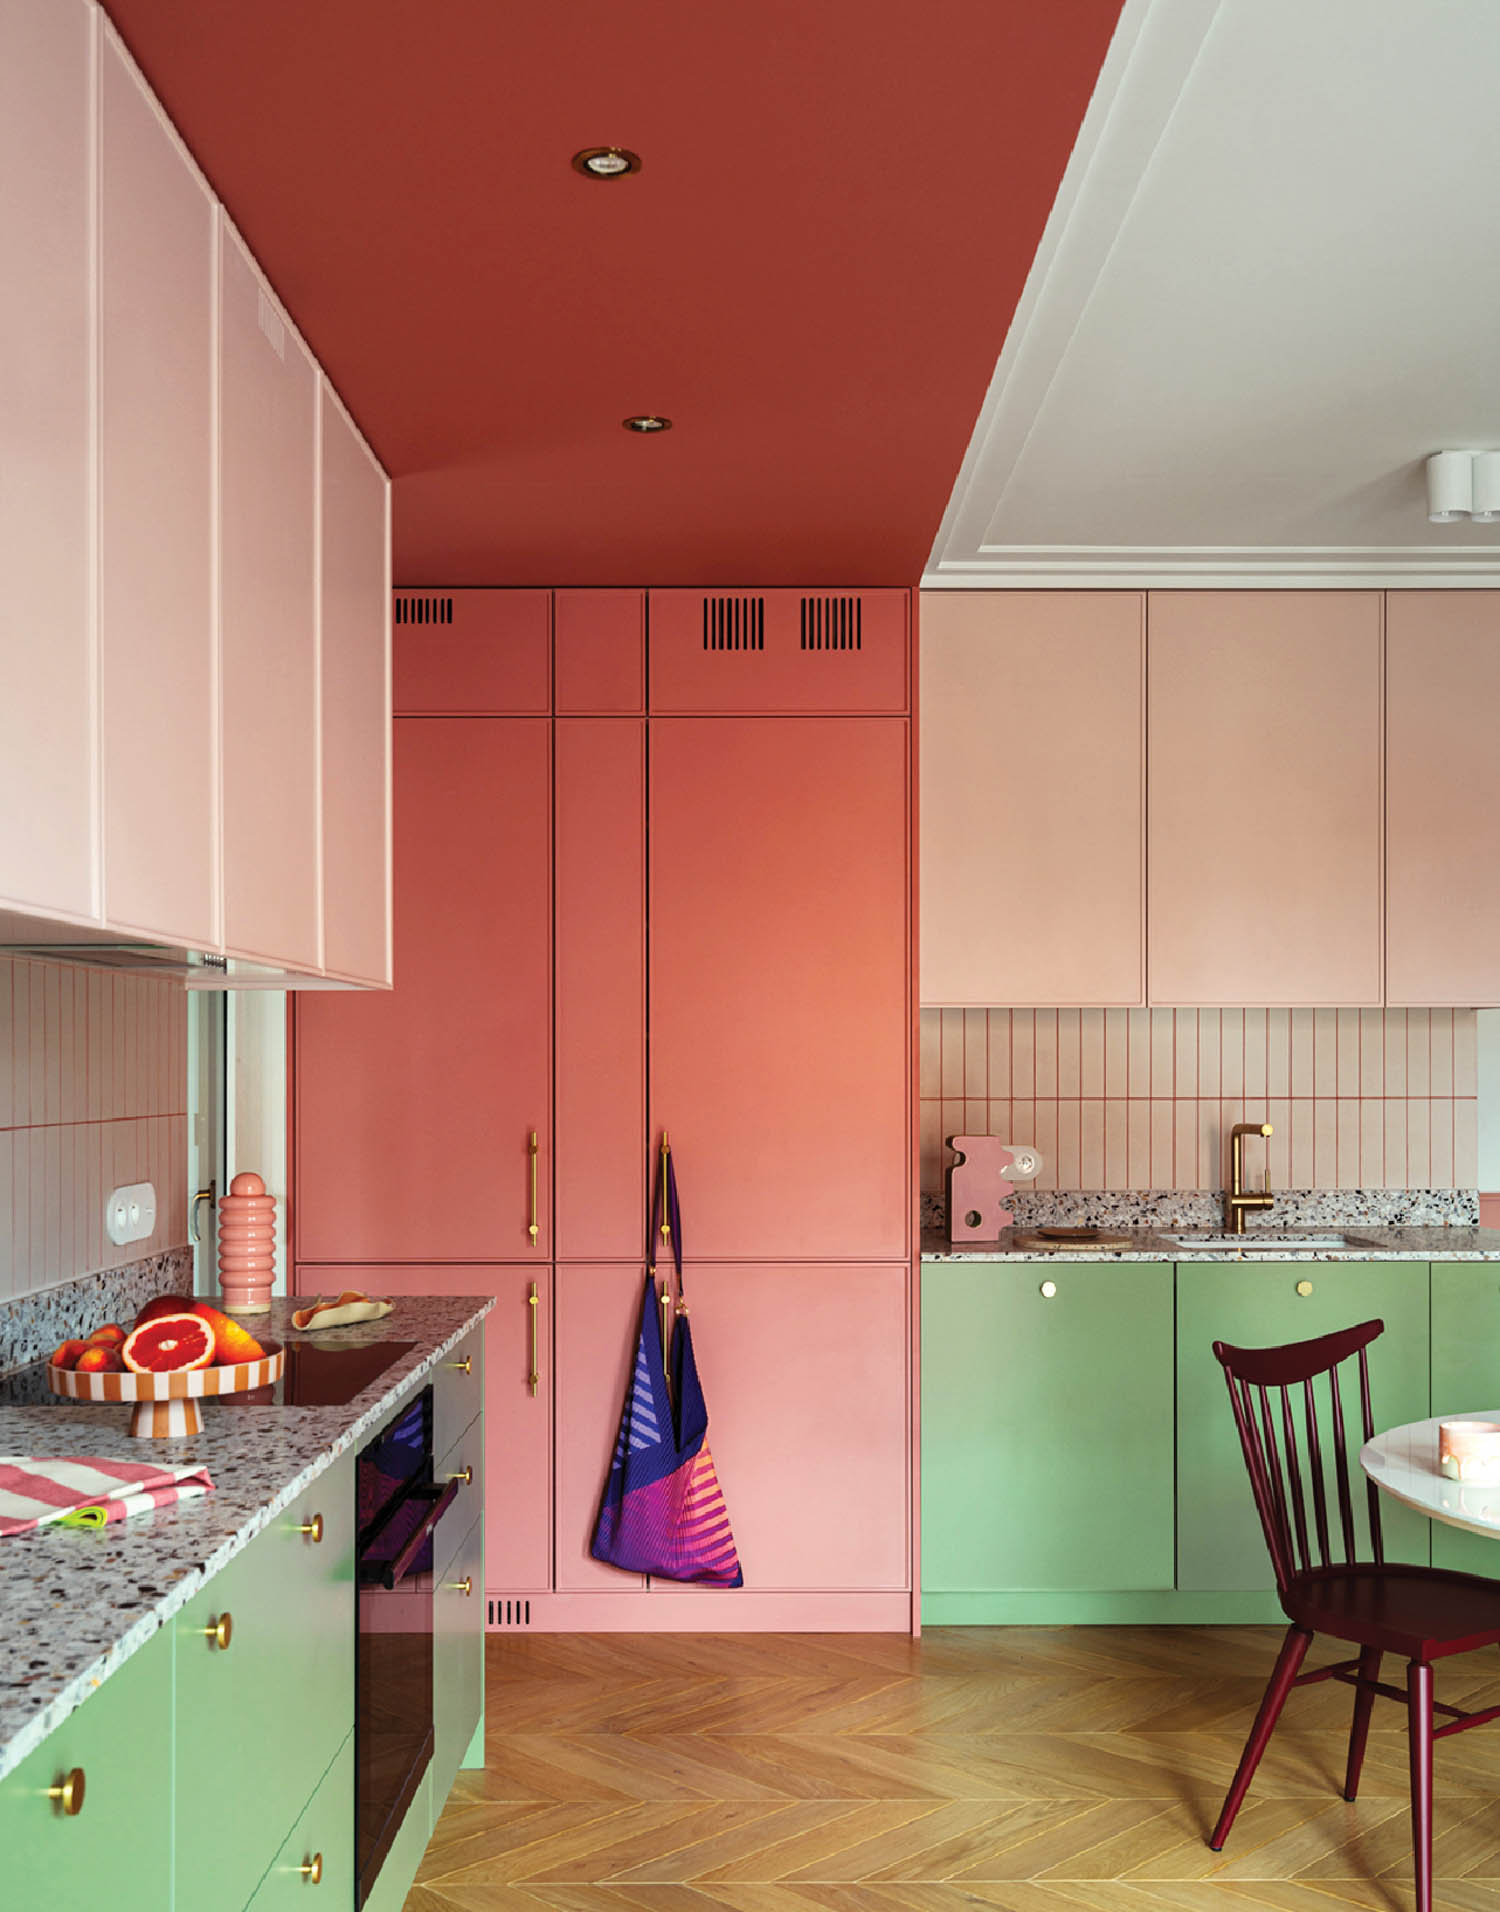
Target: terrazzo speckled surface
(1146, 1244)
(75, 1604)
(1204, 1208)
(33, 1324)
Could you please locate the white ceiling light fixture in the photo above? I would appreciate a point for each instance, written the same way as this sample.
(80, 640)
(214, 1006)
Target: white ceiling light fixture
(606, 162)
(1486, 506)
(1450, 486)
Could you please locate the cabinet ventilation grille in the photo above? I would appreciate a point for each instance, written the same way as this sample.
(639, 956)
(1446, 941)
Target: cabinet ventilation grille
(832, 624)
(510, 1613)
(271, 325)
(734, 624)
(424, 610)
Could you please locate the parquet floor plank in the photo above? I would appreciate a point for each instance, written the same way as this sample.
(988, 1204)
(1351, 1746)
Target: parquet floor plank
(1024, 1769)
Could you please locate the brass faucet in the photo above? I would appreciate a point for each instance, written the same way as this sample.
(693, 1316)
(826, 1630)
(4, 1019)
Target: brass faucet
(1236, 1201)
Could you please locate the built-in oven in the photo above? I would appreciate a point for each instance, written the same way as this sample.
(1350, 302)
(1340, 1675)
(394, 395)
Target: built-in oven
(399, 1508)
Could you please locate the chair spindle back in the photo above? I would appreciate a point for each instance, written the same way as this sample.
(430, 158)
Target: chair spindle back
(1266, 1388)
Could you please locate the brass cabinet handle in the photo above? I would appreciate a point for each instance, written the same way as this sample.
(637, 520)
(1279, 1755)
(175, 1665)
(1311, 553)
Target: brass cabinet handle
(532, 1226)
(220, 1631)
(312, 1869)
(1304, 1288)
(532, 1304)
(1048, 1290)
(313, 1529)
(209, 1195)
(68, 1792)
(464, 1586)
(466, 1475)
(466, 1366)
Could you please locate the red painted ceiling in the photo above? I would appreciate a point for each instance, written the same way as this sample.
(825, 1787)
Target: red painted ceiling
(812, 274)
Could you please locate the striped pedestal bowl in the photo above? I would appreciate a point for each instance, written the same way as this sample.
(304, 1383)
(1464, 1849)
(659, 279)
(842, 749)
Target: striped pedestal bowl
(166, 1405)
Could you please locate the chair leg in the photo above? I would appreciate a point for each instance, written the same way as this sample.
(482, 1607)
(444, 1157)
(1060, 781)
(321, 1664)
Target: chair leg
(1288, 1661)
(1364, 1702)
(1419, 1734)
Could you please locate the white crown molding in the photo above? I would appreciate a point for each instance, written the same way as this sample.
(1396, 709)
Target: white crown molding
(1307, 567)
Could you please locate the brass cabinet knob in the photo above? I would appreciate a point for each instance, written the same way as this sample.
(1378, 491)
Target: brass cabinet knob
(1304, 1288)
(465, 1474)
(220, 1632)
(313, 1529)
(1048, 1290)
(464, 1586)
(466, 1366)
(68, 1792)
(312, 1869)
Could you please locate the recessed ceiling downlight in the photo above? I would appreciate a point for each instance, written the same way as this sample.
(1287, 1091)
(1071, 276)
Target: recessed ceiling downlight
(646, 423)
(606, 162)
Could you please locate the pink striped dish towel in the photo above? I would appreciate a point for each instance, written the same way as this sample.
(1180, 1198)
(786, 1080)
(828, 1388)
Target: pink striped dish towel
(85, 1491)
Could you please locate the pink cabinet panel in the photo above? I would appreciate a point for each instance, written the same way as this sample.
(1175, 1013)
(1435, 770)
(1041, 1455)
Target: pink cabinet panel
(356, 704)
(599, 652)
(1442, 797)
(599, 825)
(805, 1374)
(414, 1108)
(1264, 806)
(47, 422)
(1032, 766)
(268, 399)
(823, 650)
(598, 1311)
(779, 982)
(474, 653)
(517, 1423)
(158, 671)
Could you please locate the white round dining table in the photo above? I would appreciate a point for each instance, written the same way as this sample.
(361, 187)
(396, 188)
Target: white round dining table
(1403, 1462)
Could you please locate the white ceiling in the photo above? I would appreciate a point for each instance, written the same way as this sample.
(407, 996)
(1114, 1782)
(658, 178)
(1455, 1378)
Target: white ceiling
(1269, 288)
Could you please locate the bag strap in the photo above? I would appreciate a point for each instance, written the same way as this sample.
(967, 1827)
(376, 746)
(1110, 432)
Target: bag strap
(666, 1219)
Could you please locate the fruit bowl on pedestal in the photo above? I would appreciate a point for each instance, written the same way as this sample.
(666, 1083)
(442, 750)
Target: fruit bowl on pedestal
(166, 1405)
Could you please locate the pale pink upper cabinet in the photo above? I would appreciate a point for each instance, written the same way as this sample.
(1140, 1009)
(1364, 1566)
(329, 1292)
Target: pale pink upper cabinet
(1264, 808)
(472, 653)
(599, 826)
(824, 650)
(268, 398)
(1442, 797)
(415, 1107)
(1032, 766)
(356, 704)
(158, 665)
(599, 652)
(48, 784)
(780, 979)
(598, 1316)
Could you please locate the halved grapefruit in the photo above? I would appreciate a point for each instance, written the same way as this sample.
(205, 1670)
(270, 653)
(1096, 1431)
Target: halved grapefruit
(170, 1344)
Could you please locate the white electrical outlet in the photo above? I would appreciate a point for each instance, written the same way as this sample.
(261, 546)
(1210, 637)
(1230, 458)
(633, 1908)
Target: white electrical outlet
(130, 1212)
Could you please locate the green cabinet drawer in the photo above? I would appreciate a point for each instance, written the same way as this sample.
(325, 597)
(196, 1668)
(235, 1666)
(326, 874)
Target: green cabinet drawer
(463, 1462)
(1046, 1426)
(258, 1722)
(319, 1850)
(1219, 1540)
(393, 1881)
(457, 1660)
(1465, 1380)
(457, 1389)
(117, 1849)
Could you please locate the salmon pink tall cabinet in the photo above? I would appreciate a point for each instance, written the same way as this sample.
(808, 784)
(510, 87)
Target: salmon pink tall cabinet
(652, 874)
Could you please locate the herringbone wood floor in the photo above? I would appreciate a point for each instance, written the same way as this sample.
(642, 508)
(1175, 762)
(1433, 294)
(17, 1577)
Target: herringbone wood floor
(1033, 1769)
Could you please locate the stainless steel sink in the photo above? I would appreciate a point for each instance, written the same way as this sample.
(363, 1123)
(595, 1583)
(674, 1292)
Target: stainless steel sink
(1258, 1241)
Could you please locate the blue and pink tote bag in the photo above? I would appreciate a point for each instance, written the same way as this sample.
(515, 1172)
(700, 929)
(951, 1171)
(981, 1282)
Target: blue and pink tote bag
(663, 1511)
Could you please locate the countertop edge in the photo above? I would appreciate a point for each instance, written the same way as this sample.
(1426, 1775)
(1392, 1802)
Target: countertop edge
(36, 1730)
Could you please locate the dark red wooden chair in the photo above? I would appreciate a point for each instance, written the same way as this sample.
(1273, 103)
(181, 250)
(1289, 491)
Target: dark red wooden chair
(1421, 1613)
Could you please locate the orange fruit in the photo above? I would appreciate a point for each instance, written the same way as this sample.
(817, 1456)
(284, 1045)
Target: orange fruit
(99, 1357)
(111, 1332)
(163, 1305)
(168, 1345)
(67, 1353)
(232, 1343)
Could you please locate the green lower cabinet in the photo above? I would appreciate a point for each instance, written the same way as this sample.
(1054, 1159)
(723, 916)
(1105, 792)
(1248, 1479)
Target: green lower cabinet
(260, 1719)
(117, 1848)
(1046, 1430)
(1465, 1380)
(320, 1849)
(457, 1660)
(1219, 1540)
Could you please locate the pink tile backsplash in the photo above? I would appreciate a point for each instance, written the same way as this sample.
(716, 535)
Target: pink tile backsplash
(1144, 1098)
(93, 1093)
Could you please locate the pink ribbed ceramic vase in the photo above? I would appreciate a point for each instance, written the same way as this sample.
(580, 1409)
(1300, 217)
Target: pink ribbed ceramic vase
(247, 1245)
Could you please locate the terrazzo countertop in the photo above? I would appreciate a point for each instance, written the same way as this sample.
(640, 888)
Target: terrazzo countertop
(1147, 1244)
(76, 1603)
